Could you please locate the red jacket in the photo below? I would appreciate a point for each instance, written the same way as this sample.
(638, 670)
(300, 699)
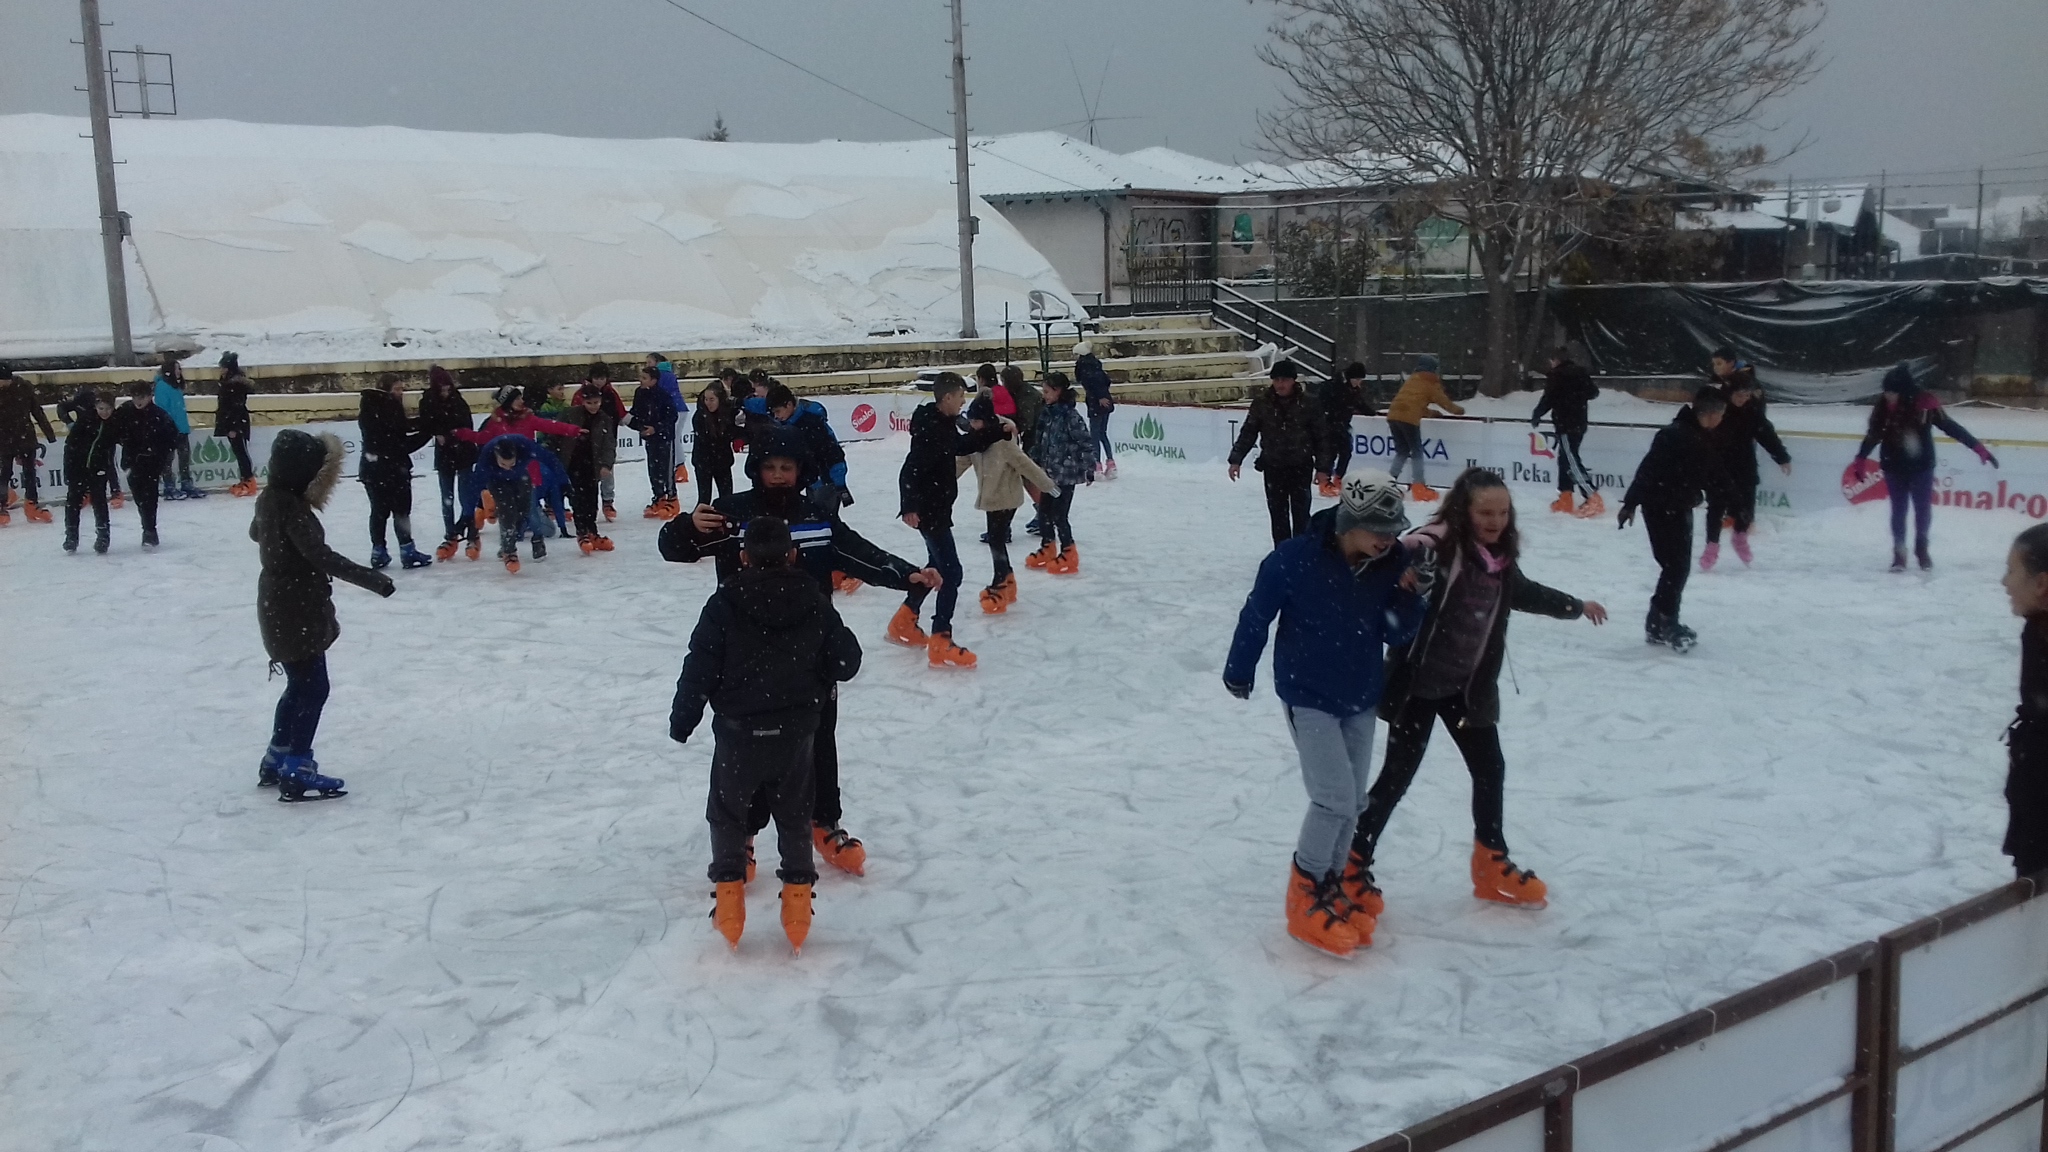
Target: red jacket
(505, 423)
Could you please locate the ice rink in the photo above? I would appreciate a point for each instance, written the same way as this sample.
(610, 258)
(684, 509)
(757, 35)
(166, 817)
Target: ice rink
(1070, 933)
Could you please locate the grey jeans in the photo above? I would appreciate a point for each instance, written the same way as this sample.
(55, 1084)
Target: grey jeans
(1407, 446)
(1336, 766)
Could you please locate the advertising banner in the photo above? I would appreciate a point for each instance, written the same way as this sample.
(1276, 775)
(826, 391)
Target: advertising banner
(1522, 455)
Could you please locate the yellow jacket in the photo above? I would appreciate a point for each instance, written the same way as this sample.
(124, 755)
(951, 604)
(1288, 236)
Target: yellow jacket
(1418, 394)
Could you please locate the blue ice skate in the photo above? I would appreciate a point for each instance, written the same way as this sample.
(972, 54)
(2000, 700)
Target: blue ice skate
(267, 768)
(193, 492)
(298, 779)
(410, 556)
(380, 556)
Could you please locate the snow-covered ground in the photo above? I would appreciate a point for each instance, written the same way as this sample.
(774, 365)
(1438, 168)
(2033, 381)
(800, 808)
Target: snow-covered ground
(1069, 935)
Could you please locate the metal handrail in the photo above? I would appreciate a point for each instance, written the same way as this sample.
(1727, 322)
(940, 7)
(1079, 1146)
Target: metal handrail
(1255, 317)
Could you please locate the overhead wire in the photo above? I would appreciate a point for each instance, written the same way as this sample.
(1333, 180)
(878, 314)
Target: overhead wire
(822, 79)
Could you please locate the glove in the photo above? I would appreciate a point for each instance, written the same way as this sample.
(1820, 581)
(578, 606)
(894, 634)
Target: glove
(1627, 517)
(1535, 421)
(1241, 691)
(385, 588)
(678, 730)
(1862, 468)
(1985, 455)
(1424, 568)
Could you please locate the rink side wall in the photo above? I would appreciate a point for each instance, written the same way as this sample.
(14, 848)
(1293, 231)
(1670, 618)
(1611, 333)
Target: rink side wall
(1933, 1038)
(1524, 456)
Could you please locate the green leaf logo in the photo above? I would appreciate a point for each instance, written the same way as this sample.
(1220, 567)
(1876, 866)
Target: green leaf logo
(212, 451)
(1148, 428)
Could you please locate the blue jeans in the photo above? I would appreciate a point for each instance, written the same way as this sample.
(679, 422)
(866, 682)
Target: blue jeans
(1098, 426)
(298, 710)
(1336, 763)
(941, 554)
(1916, 488)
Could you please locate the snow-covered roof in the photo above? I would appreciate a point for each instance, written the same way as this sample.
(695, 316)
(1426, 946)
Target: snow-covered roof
(1740, 219)
(296, 243)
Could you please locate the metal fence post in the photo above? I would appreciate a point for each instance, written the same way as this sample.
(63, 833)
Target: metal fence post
(1557, 1115)
(1885, 1102)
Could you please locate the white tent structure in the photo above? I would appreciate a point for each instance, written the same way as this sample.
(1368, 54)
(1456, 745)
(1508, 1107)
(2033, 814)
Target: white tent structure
(308, 244)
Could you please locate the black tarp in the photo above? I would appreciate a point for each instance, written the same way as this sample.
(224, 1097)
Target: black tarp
(1811, 341)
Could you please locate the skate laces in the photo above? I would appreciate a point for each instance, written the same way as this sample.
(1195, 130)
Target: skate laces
(1329, 901)
(839, 839)
(1509, 870)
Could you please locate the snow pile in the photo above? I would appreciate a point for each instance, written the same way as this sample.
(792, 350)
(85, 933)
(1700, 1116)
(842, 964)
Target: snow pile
(306, 244)
(1070, 934)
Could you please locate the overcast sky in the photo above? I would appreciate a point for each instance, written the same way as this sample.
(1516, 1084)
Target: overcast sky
(1909, 84)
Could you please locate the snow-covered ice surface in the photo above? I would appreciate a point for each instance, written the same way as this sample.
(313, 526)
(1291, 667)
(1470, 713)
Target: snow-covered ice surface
(1070, 933)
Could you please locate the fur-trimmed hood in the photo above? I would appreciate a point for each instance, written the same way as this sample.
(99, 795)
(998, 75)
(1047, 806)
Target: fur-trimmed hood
(307, 465)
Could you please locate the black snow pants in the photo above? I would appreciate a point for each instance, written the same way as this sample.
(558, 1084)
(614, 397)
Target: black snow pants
(78, 490)
(1407, 740)
(1739, 505)
(144, 482)
(2026, 796)
(761, 758)
(1670, 532)
(1287, 500)
(389, 486)
(583, 495)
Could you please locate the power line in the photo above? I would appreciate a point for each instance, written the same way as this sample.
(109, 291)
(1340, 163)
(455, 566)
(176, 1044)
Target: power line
(806, 71)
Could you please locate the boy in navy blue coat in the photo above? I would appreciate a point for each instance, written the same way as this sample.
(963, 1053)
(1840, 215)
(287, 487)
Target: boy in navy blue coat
(1343, 594)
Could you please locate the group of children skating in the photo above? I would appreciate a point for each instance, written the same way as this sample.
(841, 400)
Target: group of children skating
(1376, 621)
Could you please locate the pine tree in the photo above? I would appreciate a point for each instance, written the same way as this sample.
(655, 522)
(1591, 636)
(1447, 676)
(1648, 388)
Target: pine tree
(719, 133)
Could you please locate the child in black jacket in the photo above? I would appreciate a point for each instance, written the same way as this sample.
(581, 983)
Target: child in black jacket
(389, 440)
(2026, 774)
(88, 463)
(149, 440)
(231, 421)
(929, 484)
(653, 415)
(765, 656)
(1680, 465)
(712, 430)
(1743, 430)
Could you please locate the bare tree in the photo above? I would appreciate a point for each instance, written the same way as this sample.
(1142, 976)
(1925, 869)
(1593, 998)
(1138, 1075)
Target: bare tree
(1514, 117)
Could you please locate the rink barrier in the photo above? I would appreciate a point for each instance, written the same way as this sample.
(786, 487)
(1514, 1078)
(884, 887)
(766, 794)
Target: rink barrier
(1932, 1038)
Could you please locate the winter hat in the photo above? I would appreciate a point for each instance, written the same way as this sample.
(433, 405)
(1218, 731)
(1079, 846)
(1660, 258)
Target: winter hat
(306, 464)
(589, 392)
(230, 363)
(1427, 362)
(1371, 500)
(1283, 370)
(507, 394)
(1084, 348)
(1900, 380)
(1355, 371)
(767, 538)
(437, 376)
(784, 442)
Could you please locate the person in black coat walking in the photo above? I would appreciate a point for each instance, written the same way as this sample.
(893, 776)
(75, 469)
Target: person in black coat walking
(1568, 391)
(231, 421)
(443, 412)
(928, 486)
(1288, 429)
(389, 440)
(1743, 430)
(20, 415)
(295, 603)
(1680, 466)
(713, 427)
(149, 440)
(767, 653)
(1342, 399)
(88, 464)
(653, 415)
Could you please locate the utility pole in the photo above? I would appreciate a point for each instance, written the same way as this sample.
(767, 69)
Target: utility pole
(964, 195)
(1977, 248)
(112, 224)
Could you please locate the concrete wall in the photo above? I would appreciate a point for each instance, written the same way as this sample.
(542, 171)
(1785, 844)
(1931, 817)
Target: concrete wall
(1071, 234)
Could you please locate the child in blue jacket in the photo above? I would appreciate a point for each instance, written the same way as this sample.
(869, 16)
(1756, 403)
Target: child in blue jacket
(1343, 596)
(507, 469)
(169, 393)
